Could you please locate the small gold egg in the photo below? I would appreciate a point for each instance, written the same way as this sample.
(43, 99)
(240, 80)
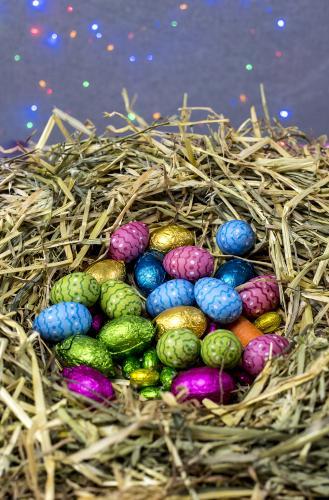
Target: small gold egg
(106, 270)
(268, 322)
(143, 377)
(181, 317)
(171, 236)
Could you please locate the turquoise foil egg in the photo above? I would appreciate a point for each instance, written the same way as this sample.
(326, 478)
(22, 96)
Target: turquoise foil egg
(57, 322)
(149, 272)
(170, 294)
(235, 272)
(218, 300)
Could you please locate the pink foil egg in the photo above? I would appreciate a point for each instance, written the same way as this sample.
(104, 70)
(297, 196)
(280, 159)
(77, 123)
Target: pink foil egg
(89, 382)
(129, 241)
(190, 263)
(260, 349)
(260, 295)
(204, 382)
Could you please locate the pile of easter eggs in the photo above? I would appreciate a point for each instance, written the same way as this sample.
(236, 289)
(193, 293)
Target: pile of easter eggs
(176, 325)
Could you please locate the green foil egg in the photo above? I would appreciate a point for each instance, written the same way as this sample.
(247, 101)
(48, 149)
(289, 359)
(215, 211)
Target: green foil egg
(130, 364)
(167, 375)
(221, 349)
(76, 287)
(127, 335)
(150, 393)
(151, 360)
(119, 299)
(178, 348)
(84, 350)
(144, 378)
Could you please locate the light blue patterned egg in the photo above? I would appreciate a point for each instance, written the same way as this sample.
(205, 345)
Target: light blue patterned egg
(235, 237)
(149, 272)
(218, 300)
(57, 322)
(170, 294)
(235, 272)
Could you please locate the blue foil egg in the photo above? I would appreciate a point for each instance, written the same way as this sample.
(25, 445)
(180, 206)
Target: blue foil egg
(170, 294)
(235, 272)
(149, 272)
(57, 322)
(218, 300)
(235, 237)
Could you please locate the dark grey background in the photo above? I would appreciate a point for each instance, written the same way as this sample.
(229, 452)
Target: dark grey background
(204, 55)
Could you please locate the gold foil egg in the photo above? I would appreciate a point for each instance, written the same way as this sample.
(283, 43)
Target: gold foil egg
(143, 377)
(106, 270)
(172, 236)
(181, 317)
(268, 322)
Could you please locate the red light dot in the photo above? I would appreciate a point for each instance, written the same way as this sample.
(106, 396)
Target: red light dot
(69, 8)
(243, 98)
(49, 91)
(278, 53)
(131, 35)
(35, 31)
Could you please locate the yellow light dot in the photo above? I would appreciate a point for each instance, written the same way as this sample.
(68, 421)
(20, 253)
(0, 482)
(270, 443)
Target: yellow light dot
(183, 6)
(42, 84)
(110, 47)
(156, 115)
(243, 98)
(73, 34)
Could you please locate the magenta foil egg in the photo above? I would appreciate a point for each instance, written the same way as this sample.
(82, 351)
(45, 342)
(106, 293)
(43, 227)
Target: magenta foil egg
(204, 382)
(189, 263)
(260, 295)
(89, 382)
(260, 349)
(129, 241)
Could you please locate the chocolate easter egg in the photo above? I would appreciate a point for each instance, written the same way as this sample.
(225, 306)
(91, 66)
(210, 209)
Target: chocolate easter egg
(235, 237)
(84, 350)
(167, 375)
(106, 270)
(178, 348)
(204, 382)
(181, 317)
(171, 236)
(130, 364)
(260, 295)
(143, 377)
(150, 359)
(241, 376)
(57, 322)
(268, 322)
(75, 287)
(97, 322)
(150, 393)
(119, 299)
(127, 335)
(89, 382)
(189, 263)
(218, 300)
(235, 272)
(221, 349)
(149, 273)
(129, 241)
(260, 349)
(170, 294)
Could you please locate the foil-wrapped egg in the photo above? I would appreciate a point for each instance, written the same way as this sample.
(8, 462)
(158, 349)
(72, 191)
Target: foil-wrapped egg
(149, 273)
(221, 349)
(129, 241)
(178, 348)
(89, 382)
(84, 350)
(170, 294)
(268, 322)
(75, 287)
(150, 393)
(167, 375)
(119, 299)
(189, 263)
(204, 382)
(106, 270)
(216, 299)
(127, 335)
(235, 237)
(241, 376)
(259, 350)
(235, 272)
(150, 359)
(171, 236)
(181, 317)
(260, 295)
(130, 364)
(144, 377)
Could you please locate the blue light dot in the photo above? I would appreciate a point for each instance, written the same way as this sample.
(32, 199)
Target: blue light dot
(54, 36)
(34, 107)
(284, 113)
(281, 23)
(94, 27)
(36, 3)
(99, 35)
(150, 57)
(29, 125)
(132, 58)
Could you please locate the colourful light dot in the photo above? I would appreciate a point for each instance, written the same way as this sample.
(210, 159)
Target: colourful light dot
(36, 3)
(249, 67)
(99, 35)
(85, 84)
(73, 34)
(132, 116)
(281, 23)
(54, 36)
(150, 57)
(29, 125)
(35, 31)
(17, 57)
(110, 47)
(50, 91)
(42, 84)
(131, 35)
(278, 53)
(174, 24)
(132, 58)
(69, 8)
(243, 98)
(156, 115)
(94, 27)
(34, 107)
(284, 113)
(183, 6)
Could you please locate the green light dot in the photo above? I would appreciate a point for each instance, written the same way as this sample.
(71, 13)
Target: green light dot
(85, 84)
(29, 125)
(249, 67)
(17, 57)
(174, 24)
(131, 116)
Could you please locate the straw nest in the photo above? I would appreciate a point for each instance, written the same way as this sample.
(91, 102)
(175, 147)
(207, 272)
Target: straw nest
(58, 207)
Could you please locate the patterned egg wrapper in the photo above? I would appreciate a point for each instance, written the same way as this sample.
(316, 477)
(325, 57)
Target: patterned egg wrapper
(129, 241)
(119, 299)
(189, 263)
(217, 300)
(178, 348)
(260, 349)
(260, 295)
(170, 294)
(235, 237)
(221, 349)
(75, 287)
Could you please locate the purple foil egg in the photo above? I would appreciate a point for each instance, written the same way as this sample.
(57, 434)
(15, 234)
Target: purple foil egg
(212, 327)
(259, 350)
(89, 382)
(204, 382)
(241, 376)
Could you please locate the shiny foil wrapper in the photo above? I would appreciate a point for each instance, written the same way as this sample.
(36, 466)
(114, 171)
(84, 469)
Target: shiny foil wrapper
(144, 378)
(167, 375)
(106, 270)
(181, 317)
(131, 364)
(150, 393)
(172, 236)
(268, 322)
